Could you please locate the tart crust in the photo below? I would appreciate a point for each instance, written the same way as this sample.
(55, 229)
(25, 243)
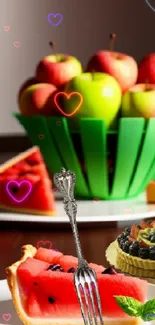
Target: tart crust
(27, 251)
(135, 261)
(30, 251)
(135, 271)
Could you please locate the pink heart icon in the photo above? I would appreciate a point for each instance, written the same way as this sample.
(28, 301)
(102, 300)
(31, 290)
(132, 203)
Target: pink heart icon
(16, 44)
(6, 317)
(6, 28)
(17, 185)
(45, 244)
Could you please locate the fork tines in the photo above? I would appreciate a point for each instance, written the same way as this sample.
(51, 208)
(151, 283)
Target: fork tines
(88, 295)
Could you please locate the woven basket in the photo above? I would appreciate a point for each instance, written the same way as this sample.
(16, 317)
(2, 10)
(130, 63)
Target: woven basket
(131, 150)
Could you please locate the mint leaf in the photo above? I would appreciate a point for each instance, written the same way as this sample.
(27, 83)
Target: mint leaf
(135, 308)
(148, 317)
(148, 310)
(129, 305)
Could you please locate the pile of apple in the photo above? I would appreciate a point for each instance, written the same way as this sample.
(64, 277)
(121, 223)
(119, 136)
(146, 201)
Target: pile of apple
(113, 83)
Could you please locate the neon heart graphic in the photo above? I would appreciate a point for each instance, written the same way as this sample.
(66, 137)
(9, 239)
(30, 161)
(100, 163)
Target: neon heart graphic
(68, 97)
(18, 185)
(6, 317)
(150, 5)
(54, 19)
(46, 244)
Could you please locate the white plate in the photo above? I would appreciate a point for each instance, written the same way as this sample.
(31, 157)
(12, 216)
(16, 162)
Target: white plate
(6, 306)
(94, 211)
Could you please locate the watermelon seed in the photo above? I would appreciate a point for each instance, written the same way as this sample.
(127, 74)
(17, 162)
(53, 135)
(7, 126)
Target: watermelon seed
(35, 283)
(31, 162)
(109, 270)
(51, 300)
(55, 267)
(71, 270)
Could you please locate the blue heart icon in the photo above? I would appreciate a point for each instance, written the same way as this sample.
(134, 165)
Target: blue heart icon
(150, 5)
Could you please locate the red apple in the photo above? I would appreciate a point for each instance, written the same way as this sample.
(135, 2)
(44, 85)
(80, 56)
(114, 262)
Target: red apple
(38, 100)
(58, 69)
(29, 82)
(147, 69)
(119, 65)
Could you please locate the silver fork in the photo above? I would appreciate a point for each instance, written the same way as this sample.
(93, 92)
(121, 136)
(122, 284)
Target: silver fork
(84, 277)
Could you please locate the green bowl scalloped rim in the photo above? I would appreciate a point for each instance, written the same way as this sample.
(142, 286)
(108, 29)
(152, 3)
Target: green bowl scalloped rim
(133, 159)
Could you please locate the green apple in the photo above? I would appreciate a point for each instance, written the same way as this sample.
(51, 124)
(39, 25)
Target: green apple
(139, 101)
(101, 95)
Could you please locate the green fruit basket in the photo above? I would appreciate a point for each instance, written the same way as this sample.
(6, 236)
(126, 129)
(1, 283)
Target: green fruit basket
(131, 148)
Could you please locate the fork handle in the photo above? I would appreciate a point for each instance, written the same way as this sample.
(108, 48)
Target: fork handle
(70, 207)
(65, 182)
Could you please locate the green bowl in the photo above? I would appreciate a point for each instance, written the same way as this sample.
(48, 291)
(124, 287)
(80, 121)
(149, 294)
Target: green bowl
(130, 150)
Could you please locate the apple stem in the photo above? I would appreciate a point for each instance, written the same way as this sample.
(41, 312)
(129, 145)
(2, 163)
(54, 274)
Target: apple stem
(93, 71)
(51, 44)
(147, 84)
(112, 41)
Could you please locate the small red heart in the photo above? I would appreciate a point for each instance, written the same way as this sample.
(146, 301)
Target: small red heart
(96, 200)
(41, 136)
(45, 244)
(128, 210)
(16, 44)
(14, 232)
(6, 317)
(68, 97)
(36, 37)
(6, 28)
(58, 123)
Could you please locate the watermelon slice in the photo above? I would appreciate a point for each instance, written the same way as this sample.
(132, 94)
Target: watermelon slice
(48, 255)
(25, 186)
(50, 296)
(67, 262)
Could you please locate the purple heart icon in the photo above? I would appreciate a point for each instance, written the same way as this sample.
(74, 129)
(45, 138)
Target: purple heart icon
(17, 185)
(54, 19)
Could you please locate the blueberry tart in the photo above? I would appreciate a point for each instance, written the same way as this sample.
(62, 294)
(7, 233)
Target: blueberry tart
(136, 245)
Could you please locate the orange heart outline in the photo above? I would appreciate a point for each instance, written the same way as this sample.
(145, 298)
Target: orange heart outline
(68, 96)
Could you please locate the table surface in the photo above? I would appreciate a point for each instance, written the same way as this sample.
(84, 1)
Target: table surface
(94, 239)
